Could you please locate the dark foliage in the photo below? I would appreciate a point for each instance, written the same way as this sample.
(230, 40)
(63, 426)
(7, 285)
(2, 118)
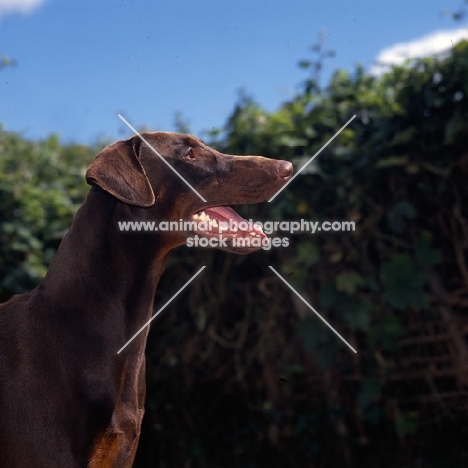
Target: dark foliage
(240, 372)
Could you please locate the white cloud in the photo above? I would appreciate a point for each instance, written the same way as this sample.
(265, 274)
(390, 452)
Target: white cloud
(434, 44)
(21, 6)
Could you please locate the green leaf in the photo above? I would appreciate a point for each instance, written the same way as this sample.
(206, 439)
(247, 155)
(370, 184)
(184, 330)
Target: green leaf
(403, 282)
(369, 392)
(386, 333)
(391, 162)
(308, 253)
(398, 215)
(405, 424)
(328, 295)
(372, 284)
(319, 340)
(426, 255)
(304, 64)
(356, 313)
(310, 333)
(349, 282)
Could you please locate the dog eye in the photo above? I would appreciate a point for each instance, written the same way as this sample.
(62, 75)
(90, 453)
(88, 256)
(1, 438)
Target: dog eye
(191, 154)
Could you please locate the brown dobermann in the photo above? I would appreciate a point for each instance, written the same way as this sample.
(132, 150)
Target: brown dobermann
(67, 398)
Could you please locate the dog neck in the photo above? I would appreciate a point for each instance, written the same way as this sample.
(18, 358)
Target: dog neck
(112, 278)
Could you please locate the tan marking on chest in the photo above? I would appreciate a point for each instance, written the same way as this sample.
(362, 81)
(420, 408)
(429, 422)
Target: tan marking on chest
(116, 446)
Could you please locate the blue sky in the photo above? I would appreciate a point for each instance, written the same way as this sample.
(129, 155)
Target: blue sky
(80, 62)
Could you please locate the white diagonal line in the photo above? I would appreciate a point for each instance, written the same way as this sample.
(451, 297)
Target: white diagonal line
(155, 151)
(162, 308)
(313, 157)
(311, 308)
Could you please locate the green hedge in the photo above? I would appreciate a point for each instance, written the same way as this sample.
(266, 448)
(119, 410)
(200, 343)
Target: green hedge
(242, 374)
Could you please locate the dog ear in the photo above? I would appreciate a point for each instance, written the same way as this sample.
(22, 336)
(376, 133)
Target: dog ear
(118, 170)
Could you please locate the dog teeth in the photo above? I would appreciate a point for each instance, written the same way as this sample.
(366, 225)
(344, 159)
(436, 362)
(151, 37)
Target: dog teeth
(215, 223)
(253, 233)
(202, 216)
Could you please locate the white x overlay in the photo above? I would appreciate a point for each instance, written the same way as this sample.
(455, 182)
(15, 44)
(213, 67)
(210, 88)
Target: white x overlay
(271, 199)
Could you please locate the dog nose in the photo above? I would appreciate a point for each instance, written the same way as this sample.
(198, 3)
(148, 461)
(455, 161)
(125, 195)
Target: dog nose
(284, 169)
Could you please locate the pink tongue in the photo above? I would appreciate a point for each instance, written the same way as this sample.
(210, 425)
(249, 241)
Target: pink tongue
(225, 213)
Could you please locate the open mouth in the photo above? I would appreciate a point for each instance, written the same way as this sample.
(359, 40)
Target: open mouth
(224, 221)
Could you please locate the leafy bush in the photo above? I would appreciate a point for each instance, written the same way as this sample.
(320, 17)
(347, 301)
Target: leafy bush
(241, 373)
